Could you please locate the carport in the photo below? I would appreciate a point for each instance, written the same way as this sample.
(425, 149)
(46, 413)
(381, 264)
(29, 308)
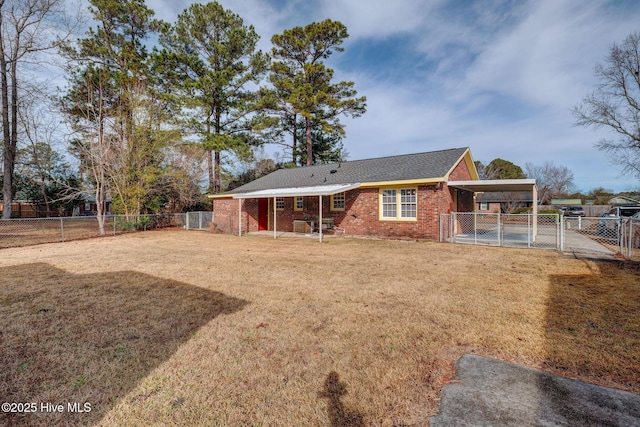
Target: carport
(503, 185)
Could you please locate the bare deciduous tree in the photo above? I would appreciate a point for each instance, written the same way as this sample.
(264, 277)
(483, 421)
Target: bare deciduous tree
(615, 104)
(27, 28)
(551, 180)
(95, 147)
(44, 164)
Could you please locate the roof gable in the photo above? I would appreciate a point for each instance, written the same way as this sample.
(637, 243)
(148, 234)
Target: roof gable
(431, 166)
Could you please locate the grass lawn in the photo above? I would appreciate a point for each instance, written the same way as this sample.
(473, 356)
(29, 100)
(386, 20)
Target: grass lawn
(191, 328)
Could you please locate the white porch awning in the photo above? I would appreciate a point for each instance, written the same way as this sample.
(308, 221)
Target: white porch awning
(318, 190)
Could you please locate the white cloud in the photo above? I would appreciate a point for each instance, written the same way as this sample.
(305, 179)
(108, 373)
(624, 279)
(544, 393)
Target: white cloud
(548, 58)
(500, 75)
(378, 18)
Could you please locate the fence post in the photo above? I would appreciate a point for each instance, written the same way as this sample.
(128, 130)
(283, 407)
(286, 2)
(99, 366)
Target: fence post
(561, 229)
(452, 235)
(114, 224)
(499, 231)
(475, 228)
(62, 228)
(200, 220)
(630, 242)
(187, 220)
(529, 230)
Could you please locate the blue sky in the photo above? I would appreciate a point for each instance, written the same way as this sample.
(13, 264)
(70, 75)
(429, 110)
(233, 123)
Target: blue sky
(497, 76)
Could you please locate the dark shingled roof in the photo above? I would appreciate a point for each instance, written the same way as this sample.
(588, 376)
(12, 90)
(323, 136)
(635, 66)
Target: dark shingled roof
(434, 164)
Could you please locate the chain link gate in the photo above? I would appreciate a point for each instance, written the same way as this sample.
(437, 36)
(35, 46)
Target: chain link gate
(630, 239)
(599, 235)
(495, 229)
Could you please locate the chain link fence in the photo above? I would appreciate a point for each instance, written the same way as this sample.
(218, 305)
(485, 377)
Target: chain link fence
(33, 231)
(494, 229)
(597, 235)
(630, 239)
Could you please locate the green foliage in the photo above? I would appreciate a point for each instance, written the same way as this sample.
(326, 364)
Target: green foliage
(327, 146)
(600, 195)
(43, 177)
(549, 212)
(115, 102)
(302, 83)
(208, 61)
(503, 169)
(141, 222)
(259, 169)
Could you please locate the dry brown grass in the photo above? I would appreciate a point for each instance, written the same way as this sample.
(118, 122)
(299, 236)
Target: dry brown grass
(190, 328)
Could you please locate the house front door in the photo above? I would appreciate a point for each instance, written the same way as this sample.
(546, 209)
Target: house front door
(263, 214)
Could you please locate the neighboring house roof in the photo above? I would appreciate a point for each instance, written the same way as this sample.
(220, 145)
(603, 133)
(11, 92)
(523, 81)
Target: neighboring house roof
(90, 197)
(566, 202)
(434, 166)
(623, 200)
(503, 197)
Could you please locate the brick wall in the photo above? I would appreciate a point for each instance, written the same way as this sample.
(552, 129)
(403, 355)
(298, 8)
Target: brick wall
(360, 217)
(225, 215)
(361, 214)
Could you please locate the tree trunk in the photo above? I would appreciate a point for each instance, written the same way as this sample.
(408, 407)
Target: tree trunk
(43, 189)
(9, 151)
(100, 208)
(216, 163)
(211, 172)
(217, 186)
(210, 166)
(294, 149)
(309, 142)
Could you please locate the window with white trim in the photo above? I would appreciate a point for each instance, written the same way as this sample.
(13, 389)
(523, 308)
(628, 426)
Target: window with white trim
(279, 203)
(337, 202)
(408, 203)
(298, 203)
(484, 206)
(399, 203)
(389, 204)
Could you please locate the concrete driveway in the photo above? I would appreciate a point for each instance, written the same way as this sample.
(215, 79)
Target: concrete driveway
(489, 392)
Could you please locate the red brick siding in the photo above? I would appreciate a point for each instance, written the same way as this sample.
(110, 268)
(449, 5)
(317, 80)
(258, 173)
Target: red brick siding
(225, 215)
(360, 217)
(460, 172)
(361, 214)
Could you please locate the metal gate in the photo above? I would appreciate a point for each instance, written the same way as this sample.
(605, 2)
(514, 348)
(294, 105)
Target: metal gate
(596, 235)
(194, 220)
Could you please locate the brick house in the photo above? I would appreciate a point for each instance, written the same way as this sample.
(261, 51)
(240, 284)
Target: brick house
(398, 196)
(503, 202)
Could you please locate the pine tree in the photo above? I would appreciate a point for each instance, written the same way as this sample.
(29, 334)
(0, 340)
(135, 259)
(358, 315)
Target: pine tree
(303, 84)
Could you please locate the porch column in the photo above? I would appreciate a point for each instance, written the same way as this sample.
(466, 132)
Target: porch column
(320, 216)
(239, 217)
(274, 217)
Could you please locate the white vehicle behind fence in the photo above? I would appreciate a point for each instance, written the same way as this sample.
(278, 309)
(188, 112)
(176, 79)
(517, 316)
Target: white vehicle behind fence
(610, 222)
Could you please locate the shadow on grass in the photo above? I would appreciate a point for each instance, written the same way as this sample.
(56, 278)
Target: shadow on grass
(76, 339)
(593, 325)
(339, 416)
